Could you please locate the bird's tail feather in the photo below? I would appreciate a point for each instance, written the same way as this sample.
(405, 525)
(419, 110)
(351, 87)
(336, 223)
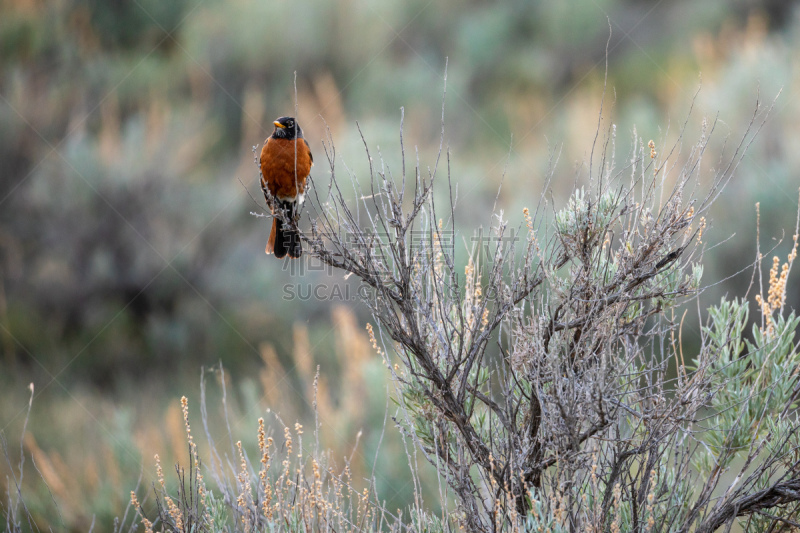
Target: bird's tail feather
(284, 239)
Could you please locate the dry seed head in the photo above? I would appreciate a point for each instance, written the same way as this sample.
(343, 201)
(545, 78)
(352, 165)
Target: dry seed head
(287, 438)
(777, 284)
(266, 506)
(652, 147)
(185, 409)
(766, 311)
(373, 340)
(700, 230)
(175, 513)
(159, 471)
(262, 443)
(528, 220)
(776, 295)
(189, 438)
(243, 463)
(148, 525)
(244, 481)
(200, 487)
(651, 495)
(470, 268)
(617, 499)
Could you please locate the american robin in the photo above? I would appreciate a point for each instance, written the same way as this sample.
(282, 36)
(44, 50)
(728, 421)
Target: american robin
(286, 162)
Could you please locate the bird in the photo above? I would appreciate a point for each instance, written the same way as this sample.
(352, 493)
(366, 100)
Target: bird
(286, 163)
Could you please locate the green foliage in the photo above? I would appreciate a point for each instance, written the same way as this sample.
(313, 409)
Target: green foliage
(582, 220)
(751, 384)
(541, 518)
(218, 512)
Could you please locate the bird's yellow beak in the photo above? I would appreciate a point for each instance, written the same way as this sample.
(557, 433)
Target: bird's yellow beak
(279, 125)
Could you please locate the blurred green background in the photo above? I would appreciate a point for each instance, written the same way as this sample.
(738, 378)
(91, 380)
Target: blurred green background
(129, 259)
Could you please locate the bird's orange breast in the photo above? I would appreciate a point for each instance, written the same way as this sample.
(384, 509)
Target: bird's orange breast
(285, 165)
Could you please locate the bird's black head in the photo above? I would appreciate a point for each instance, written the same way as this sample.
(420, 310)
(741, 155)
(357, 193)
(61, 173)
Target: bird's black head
(287, 128)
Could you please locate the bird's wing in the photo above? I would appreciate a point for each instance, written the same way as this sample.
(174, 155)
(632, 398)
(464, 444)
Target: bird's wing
(262, 161)
(309, 152)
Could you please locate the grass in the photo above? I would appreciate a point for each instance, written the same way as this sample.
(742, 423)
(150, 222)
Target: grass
(338, 389)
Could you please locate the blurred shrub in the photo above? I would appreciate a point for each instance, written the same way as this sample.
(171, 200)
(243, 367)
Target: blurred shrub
(70, 488)
(124, 128)
(141, 25)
